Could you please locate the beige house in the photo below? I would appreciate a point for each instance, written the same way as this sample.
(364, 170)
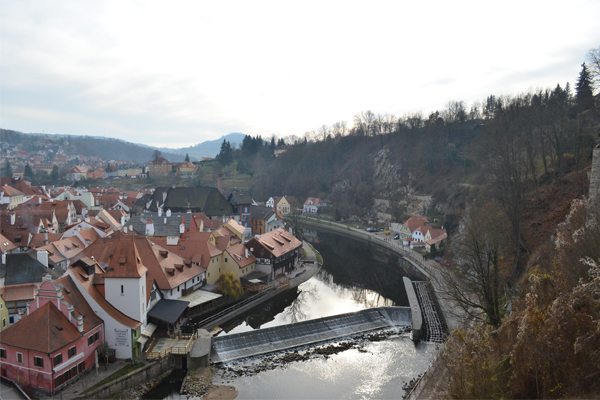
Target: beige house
(10, 196)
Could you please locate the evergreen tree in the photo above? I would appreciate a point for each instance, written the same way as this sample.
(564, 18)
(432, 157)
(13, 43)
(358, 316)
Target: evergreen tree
(273, 144)
(28, 172)
(7, 170)
(225, 156)
(585, 96)
(54, 174)
(187, 157)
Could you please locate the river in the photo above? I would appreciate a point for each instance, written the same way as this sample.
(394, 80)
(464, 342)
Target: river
(356, 275)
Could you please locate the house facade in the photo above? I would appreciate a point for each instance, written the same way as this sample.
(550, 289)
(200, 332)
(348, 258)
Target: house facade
(277, 252)
(160, 167)
(67, 334)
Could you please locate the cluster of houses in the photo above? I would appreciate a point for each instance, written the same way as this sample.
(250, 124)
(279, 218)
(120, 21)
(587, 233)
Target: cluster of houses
(96, 270)
(78, 167)
(418, 234)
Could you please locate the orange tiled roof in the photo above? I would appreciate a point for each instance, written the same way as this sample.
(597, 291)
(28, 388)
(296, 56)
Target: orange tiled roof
(53, 331)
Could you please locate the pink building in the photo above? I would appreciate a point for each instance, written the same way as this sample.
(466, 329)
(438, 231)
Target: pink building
(55, 341)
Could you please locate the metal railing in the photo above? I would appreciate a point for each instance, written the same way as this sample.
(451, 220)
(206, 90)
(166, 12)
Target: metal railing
(236, 306)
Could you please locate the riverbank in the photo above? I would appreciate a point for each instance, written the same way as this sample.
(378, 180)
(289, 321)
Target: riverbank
(434, 381)
(198, 383)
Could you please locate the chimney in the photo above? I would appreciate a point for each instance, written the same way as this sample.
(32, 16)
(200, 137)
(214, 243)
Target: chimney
(3, 258)
(169, 212)
(46, 237)
(125, 230)
(220, 183)
(182, 226)
(159, 212)
(87, 219)
(149, 228)
(80, 323)
(42, 256)
(12, 218)
(39, 200)
(247, 253)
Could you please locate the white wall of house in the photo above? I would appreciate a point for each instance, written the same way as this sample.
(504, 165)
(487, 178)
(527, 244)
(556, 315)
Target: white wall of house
(418, 236)
(111, 326)
(127, 295)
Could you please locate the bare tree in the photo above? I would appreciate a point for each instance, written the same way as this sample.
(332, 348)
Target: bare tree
(476, 280)
(593, 59)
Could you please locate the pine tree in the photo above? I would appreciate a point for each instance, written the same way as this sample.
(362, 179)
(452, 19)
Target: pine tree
(187, 157)
(54, 174)
(28, 171)
(7, 170)
(585, 96)
(225, 156)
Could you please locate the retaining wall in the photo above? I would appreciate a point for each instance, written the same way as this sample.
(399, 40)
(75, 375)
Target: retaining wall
(417, 318)
(133, 379)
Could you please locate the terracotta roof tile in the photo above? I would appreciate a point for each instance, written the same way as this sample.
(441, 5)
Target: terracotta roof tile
(53, 331)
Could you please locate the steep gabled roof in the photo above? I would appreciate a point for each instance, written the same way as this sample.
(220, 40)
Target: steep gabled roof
(81, 307)
(89, 285)
(125, 261)
(53, 331)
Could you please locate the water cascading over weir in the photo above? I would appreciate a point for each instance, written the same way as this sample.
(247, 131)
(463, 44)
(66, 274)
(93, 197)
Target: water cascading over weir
(268, 340)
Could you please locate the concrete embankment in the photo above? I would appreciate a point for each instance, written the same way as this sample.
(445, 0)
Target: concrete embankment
(417, 320)
(268, 340)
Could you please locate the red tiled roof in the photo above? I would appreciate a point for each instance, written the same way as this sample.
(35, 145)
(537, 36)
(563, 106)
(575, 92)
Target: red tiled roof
(80, 305)
(90, 285)
(125, 261)
(53, 331)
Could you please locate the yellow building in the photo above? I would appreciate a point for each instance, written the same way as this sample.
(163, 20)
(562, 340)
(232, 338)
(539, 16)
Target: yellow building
(3, 315)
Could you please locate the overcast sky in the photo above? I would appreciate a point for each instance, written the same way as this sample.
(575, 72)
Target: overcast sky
(177, 73)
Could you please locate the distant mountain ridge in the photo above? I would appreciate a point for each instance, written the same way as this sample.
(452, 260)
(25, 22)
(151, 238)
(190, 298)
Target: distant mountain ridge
(106, 149)
(208, 148)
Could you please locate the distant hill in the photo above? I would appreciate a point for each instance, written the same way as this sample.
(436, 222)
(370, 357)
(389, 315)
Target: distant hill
(209, 148)
(117, 149)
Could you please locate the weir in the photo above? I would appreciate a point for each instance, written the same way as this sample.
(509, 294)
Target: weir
(268, 340)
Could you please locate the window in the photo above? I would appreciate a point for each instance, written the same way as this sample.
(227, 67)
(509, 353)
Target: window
(57, 359)
(178, 288)
(93, 338)
(11, 319)
(3, 353)
(20, 358)
(122, 290)
(3, 323)
(38, 362)
(72, 351)
(225, 259)
(80, 367)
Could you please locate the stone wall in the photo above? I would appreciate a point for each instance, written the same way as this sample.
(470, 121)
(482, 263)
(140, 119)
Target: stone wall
(132, 379)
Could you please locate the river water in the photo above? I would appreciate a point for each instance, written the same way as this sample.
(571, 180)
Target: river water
(356, 275)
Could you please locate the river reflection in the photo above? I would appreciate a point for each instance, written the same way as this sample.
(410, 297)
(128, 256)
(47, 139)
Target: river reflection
(356, 275)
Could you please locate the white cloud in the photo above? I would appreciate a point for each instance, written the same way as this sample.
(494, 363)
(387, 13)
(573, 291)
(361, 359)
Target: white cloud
(198, 70)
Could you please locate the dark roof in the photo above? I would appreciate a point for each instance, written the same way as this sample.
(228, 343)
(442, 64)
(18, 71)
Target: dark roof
(161, 229)
(23, 268)
(204, 199)
(168, 310)
(237, 197)
(260, 212)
